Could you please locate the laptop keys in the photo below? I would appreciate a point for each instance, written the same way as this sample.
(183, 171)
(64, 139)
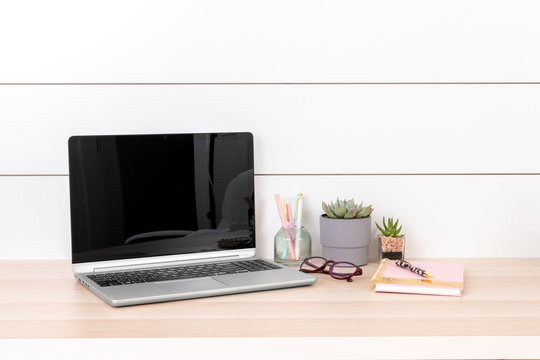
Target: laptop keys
(180, 272)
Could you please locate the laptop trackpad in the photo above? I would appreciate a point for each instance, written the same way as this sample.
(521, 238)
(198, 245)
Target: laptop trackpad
(191, 285)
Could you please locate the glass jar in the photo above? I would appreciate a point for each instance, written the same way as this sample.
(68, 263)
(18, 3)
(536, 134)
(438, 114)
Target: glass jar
(301, 242)
(391, 248)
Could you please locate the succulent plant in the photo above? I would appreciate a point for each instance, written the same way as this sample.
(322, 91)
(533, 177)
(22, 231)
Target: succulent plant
(346, 209)
(391, 229)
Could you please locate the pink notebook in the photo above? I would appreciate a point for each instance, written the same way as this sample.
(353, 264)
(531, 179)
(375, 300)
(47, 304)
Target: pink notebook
(447, 278)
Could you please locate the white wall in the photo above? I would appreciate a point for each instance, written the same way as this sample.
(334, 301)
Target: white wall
(428, 110)
(269, 41)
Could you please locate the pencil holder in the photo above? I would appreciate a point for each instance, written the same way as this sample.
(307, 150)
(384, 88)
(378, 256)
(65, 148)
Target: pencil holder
(299, 241)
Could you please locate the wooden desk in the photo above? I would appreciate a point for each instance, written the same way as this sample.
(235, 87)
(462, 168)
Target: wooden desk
(41, 299)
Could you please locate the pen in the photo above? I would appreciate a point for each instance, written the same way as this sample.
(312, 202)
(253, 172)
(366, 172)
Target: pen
(291, 227)
(296, 208)
(407, 265)
(285, 247)
(285, 244)
(291, 221)
(284, 225)
(300, 203)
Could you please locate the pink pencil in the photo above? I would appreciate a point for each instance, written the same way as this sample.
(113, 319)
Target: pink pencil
(284, 225)
(291, 221)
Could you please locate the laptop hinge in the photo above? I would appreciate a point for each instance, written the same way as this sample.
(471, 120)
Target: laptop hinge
(164, 263)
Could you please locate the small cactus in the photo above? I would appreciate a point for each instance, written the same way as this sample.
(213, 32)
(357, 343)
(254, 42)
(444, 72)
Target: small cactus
(346, 209)
(391, 229)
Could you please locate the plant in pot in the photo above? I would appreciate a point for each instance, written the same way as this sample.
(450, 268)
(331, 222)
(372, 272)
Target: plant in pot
(392, 242)
(345, 231)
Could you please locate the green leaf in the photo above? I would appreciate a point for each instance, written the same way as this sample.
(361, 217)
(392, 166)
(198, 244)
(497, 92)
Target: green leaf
(340, 211)
(369, 210)
(351, 213)
(324, 206)
(381, 230)
(365, 212)
(330, 214)
(327, 210)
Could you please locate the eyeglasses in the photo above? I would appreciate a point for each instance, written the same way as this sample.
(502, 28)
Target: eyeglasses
(340, 270)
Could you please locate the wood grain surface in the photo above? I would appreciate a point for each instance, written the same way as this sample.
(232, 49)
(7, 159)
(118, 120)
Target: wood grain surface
(41, 299)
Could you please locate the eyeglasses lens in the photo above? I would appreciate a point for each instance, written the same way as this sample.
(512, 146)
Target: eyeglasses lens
(343, 270)
(313, 264)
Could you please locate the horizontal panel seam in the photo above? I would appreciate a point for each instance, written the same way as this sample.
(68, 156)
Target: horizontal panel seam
(266, 83)
(404, 174)
(30, 175)
(329, 174)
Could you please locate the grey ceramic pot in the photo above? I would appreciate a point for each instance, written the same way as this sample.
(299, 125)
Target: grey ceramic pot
(346, 239)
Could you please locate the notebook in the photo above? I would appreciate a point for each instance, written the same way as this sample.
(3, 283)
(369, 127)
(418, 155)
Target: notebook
(447, 278)
(167, 217)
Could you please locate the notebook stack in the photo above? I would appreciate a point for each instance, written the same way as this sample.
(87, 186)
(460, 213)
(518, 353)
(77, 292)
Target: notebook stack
(447, 278)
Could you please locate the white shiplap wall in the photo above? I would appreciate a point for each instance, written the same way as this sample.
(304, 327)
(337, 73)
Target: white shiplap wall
(269, 41)
(453, 152)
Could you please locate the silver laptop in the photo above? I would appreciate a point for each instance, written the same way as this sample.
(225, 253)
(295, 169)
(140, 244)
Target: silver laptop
(167, 217)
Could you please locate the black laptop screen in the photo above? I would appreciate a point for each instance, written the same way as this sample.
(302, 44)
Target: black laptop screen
(148, 195)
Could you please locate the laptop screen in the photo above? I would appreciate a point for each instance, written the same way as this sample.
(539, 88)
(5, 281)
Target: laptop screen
(137, 196)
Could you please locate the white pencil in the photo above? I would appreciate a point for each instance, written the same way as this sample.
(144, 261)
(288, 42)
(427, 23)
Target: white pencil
(299, 224)
(299, 212)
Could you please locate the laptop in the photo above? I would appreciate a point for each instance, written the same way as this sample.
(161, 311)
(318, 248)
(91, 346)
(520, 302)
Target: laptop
(167, 217)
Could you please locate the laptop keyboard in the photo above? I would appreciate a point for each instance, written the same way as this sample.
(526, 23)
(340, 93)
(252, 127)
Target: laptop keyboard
(180, 272)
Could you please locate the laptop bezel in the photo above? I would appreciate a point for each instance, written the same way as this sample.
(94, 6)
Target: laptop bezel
(162, 260)
(159, 261)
